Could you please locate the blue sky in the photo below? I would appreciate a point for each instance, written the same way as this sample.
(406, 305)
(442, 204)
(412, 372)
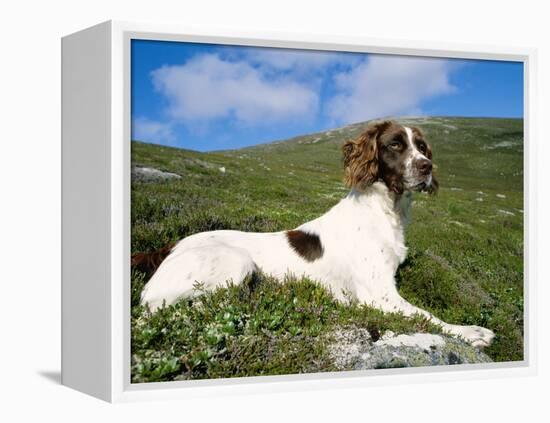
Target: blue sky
(211, 97)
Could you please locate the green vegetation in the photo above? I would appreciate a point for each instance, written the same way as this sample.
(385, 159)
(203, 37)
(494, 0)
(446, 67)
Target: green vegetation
(465, 260)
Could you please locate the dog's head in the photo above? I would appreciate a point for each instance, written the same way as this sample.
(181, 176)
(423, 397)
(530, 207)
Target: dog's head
(396, 154)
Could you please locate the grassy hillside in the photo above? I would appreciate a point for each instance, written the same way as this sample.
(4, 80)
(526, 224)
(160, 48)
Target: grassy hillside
(465, 259)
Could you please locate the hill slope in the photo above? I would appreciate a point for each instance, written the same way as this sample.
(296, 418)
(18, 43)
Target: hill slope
(465, 246)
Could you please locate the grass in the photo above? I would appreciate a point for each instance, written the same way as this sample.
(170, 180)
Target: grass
(465, 260)
(271, 329)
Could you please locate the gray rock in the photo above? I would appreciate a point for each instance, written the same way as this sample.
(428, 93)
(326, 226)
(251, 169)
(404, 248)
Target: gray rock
(149, 174)
(354, 349)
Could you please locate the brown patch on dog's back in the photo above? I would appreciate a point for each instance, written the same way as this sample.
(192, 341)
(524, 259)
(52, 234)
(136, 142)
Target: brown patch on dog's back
(308, 246)
(148, 263)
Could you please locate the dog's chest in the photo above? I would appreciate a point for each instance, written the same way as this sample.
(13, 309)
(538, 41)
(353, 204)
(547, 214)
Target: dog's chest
(369, 236)
(381, 244)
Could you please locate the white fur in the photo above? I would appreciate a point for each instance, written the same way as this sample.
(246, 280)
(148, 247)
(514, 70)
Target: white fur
(363, 241)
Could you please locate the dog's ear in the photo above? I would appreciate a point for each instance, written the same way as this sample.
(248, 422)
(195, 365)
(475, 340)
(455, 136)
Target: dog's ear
(434, 186)
(361, 157)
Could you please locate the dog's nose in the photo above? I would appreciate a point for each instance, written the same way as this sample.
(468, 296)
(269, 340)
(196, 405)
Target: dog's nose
(425, 166)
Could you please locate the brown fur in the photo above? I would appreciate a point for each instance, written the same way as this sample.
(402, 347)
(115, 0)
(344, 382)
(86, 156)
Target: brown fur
(418, 134)
(362, 164)
(148, 263)
(361, 157)
(307, 245)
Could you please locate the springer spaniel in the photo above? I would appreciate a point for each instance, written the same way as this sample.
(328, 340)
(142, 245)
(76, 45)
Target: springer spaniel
(354, 248)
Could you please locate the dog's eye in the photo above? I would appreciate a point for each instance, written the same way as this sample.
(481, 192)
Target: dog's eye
(395, 145)
(422, 148)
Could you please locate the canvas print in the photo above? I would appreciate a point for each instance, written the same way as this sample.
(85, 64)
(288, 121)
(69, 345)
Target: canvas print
(298, 211)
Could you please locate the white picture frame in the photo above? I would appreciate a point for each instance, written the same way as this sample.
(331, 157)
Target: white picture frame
(96, 213)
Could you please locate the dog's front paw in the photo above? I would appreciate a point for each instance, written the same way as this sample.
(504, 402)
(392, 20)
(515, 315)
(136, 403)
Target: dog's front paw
(475, 335)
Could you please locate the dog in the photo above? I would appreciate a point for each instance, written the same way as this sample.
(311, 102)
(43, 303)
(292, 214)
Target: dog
(353, 250)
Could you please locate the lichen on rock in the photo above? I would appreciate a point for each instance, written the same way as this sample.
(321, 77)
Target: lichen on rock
(149, 174)
(353, 348)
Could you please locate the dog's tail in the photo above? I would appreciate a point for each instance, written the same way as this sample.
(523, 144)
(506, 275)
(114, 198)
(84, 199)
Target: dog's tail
(149, 262)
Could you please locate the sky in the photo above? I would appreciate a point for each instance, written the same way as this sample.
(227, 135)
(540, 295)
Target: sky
(209, 97)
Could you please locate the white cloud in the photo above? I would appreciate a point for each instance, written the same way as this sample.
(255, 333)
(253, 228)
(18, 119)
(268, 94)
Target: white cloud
(152, 131)
(385, 86)
(207, 87)
(300, 61)
(261, 87)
